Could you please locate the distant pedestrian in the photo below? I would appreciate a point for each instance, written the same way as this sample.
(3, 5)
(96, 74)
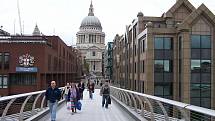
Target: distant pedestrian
(66, 90)
(97, 83)
(101, 84)
(53, 95)
(73, 97)
(91, 86)
(81, 87)
(105, 93)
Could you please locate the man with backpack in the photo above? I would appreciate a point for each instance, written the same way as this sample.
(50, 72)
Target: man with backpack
(105, 93)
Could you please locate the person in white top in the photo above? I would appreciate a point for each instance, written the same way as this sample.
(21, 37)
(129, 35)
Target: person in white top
(66, 90)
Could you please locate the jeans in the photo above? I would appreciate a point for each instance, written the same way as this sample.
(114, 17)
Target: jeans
(105, 100)
(65, 96)
(53, 110)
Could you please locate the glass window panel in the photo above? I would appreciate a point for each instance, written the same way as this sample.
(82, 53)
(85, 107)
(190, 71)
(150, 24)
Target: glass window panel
(195, 41)
(206, 102)
(195, 53)
(195, 78)
(5, 82)
(159, 54)
(168, 77)
(166, 66)
(167, 43)
(159, 90)
(195, 65)
(205, 53)
(159, 77)
(167, 90)
(205, 90)
(195, 90)
(1, 81)
(206, 65)
(158, 43)
(205, 78)
(205, 41)
(159, 66)
(168, 54)
(195, 101)
(1, 60)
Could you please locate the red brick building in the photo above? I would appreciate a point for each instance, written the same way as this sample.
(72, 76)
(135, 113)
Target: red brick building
(29, 63)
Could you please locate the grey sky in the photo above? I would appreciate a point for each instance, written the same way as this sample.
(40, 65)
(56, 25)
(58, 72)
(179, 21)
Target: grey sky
(63, 17)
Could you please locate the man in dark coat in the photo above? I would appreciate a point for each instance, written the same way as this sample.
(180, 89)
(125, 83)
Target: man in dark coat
(81, 87)
(53, 95)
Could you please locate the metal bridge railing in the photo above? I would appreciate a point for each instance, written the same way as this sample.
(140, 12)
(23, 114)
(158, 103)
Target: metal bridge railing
(160, 109)
(22, 106)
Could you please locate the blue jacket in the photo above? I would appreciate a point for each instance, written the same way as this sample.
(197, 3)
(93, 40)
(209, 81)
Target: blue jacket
(53, 94)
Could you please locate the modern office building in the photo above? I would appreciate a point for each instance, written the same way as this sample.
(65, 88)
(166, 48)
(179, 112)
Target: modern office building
(170, 56)
(108, 61)
(29, 63)
(91, 43)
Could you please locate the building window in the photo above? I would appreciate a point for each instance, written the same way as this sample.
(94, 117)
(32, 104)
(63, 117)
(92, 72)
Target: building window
(6, 60)
(3, 81)
(143, 66)
(201, 41)
(162, 66)
(163, 43)
(94, 53)
(94, 67)
(1, 60)
(23, 79)
(200, 84)
(49, 62)
(135, 67)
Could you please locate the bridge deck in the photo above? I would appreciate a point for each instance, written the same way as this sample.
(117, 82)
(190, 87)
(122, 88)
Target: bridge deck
(92, 111)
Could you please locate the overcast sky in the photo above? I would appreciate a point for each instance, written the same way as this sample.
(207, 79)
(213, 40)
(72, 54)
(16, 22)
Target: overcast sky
(63, 17)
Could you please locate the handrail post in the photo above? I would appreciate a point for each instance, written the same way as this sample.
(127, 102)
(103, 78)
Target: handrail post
(6, 109)
(21, 116)
(34, 104)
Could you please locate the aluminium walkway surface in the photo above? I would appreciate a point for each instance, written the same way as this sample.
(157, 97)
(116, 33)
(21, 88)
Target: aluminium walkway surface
(92, 111)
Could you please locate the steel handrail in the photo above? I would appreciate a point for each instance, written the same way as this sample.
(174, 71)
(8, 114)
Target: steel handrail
(202, 110)
(22, 95)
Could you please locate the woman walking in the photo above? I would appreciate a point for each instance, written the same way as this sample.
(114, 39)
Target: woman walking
(73, 97)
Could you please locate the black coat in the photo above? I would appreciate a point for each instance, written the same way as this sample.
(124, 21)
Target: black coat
(81, 87)
(53, 94)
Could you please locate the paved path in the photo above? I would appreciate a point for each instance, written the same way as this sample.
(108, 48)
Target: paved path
(92, 111)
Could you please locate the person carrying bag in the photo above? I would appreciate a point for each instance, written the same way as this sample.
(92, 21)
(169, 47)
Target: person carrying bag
(105, 93)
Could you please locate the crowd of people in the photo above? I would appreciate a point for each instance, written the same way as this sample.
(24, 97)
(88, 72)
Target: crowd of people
(73, 93)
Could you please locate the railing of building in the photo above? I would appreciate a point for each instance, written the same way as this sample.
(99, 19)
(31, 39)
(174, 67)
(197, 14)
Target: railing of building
(160, 109)
(22, 106)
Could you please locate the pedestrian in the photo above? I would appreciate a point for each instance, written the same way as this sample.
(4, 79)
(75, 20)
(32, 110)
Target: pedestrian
(73, 97)
(66, 90)
(53, 95)
(81, 87)
(101, 84)
(105, 93)
(91, 89)
(97, 82)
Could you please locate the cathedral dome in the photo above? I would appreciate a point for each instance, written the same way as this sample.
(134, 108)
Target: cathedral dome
(91, 21)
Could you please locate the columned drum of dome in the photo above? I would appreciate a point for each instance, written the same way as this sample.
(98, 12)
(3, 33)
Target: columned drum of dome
(91, 42)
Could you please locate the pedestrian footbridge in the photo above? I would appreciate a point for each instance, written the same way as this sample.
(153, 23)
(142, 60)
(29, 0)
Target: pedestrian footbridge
(126, 106)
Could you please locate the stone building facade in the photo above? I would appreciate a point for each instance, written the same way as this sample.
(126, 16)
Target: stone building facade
(91, 42)
(171, 56)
